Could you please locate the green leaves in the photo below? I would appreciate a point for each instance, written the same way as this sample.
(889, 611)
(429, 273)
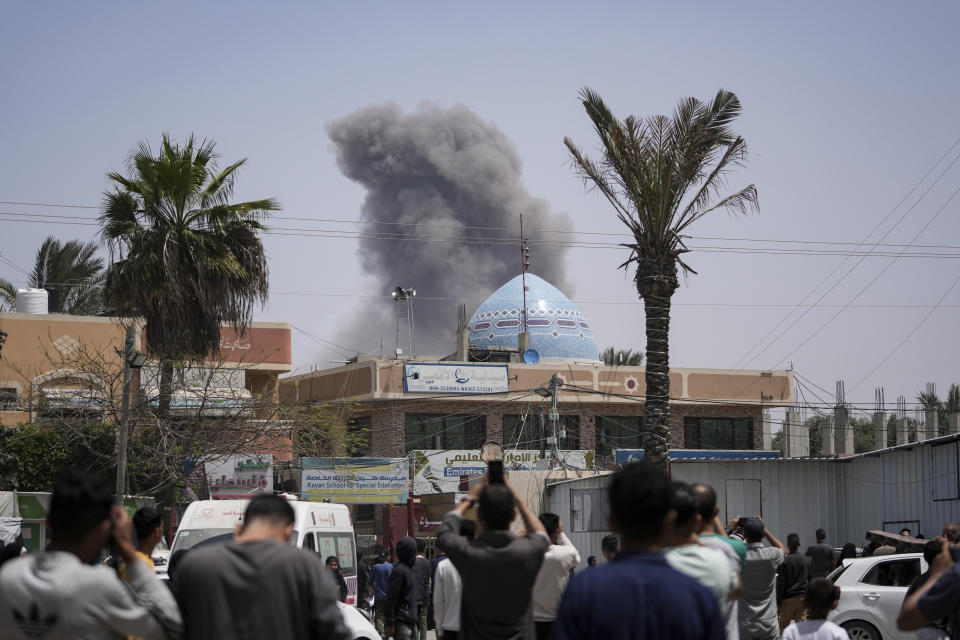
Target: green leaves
(182, 255)
(663, 173)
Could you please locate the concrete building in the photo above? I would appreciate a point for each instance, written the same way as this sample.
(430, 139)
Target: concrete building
(411, 403)
(56, 363)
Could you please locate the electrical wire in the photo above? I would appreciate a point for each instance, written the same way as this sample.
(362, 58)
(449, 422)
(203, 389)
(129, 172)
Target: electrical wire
(506, 241)
(866, 238)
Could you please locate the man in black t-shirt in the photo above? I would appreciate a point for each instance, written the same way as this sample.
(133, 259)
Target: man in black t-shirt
(792, 582)
(822, 558)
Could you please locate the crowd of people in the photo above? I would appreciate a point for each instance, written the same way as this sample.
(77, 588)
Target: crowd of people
(671, 569)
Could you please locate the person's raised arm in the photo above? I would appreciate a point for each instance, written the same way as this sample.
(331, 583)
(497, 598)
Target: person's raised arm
(718, 527)
(943, 597)
(148, 609)
(773, 540)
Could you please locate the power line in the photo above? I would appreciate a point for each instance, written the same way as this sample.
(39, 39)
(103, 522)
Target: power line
(869, 284)
(840, 265)
(909, 335)
(744, 250)
(313, 232)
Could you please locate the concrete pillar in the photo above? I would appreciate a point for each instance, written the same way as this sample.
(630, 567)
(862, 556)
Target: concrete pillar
(953, 422)
(767, 431)
(880, 430)
(903, 430)
(523, 341)
(829, 442)
(929, 428)
(796, 437)
(842, 431)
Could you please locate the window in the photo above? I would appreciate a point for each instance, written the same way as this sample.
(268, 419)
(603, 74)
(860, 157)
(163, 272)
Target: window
(430, 431)
(308, 542)
(895, 573)
(9, 398)
(339, 545)
(358, 437)
(521, 434)
(718, 433)
(618, 432)
(589, 509)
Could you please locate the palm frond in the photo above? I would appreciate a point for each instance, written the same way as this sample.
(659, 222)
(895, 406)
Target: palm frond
(647, 167)
(184, 257)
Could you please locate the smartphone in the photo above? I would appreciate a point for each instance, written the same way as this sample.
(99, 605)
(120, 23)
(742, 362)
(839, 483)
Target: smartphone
(495, 472)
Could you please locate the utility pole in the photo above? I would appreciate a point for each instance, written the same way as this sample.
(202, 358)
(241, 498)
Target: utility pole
(131, 360)
(554, 417)
(124, 417)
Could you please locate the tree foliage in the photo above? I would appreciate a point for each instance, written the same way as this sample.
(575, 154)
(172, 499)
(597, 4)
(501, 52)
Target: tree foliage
(72, 269)
(41, 451)
(621, 357)
(183, 256)
(662, 174)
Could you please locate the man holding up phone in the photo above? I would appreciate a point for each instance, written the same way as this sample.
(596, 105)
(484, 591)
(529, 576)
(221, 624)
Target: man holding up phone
(498, 569)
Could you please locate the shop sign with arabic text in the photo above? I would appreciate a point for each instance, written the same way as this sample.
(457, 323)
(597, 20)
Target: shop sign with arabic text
(455, 378)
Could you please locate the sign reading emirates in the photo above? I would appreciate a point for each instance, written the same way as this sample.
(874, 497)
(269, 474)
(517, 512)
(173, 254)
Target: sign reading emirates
(449, 471)
(455, 378)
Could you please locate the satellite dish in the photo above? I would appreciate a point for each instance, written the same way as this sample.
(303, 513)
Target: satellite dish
(531, 356)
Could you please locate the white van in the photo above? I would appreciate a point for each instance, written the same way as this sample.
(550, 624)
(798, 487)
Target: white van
(318, 526)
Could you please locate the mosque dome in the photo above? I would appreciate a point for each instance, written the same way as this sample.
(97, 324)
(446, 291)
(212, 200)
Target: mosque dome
(556, 326)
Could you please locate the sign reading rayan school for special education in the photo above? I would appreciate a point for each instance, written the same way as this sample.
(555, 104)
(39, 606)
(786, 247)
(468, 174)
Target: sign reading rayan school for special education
(455, 378)
(437, 471)
(355, 480)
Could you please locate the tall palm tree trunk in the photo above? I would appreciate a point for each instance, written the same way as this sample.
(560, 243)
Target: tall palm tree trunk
(656, 410)
(166, 389)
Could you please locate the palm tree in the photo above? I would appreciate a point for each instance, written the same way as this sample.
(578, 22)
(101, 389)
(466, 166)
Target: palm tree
(662, 174)
(72, 269)
(183, 257)
(8, 295)
(621, 357)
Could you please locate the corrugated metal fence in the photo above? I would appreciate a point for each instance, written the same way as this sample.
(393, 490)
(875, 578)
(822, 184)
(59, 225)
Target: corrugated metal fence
(915, 486)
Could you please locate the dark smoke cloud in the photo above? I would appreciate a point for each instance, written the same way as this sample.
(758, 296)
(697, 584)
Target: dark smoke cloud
(441, 170)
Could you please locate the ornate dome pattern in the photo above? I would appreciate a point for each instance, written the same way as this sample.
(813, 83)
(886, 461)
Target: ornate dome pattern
(556, 326)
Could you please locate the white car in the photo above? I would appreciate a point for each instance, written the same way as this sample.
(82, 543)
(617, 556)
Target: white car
(357, 624)
(872, 590)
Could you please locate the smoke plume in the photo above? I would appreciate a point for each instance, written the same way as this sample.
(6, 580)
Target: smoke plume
(439, 172)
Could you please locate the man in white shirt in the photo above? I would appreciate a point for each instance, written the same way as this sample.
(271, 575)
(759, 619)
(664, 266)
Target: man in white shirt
(758, 602)
(709, 567)
(711, 534)
(561, 558)
(448, 590)
(60, 594)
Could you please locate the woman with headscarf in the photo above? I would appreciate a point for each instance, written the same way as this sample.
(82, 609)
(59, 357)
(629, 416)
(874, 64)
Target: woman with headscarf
(334, 565)
(849, 551)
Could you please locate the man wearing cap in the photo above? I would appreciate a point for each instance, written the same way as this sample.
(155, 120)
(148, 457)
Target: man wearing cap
(758, 603)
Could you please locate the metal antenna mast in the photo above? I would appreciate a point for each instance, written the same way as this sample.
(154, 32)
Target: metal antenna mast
(405, 312)
(524, 265)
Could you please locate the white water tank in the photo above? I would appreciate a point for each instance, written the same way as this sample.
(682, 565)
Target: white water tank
(32, 300)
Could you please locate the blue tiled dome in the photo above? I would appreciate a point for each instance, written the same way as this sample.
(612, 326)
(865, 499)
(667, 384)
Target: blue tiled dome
(557, 328)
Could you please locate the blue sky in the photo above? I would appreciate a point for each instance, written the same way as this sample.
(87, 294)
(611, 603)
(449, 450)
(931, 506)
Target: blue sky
(846, 106)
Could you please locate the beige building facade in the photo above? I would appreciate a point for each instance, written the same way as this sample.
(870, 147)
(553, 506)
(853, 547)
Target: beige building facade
(600, 407)
(51, 363)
